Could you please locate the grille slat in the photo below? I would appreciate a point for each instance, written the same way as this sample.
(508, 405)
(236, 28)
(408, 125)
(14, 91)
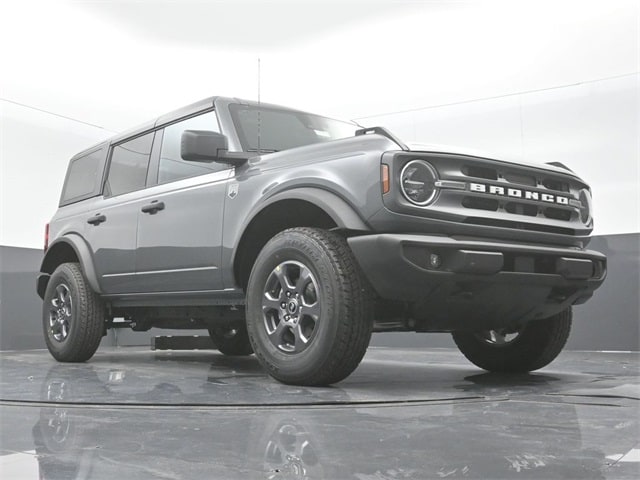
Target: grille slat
(519, 225)
(480, 172)
(520, 179)
(557, 213)
(522, 209)
(480, 203)
(557, 185)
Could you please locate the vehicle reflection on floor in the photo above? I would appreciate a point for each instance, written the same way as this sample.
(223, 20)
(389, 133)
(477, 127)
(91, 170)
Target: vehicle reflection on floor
(487, 436)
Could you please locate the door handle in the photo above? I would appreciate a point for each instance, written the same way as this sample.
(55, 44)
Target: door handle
(153, 207)
(97, 219)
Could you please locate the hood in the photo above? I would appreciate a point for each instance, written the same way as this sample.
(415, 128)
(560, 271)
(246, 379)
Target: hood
(439, 148)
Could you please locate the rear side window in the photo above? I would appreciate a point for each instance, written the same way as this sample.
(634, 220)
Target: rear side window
(172, 166)
(83, 177)
(128, 166)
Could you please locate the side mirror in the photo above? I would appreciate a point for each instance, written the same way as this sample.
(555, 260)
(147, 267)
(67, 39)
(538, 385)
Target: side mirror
(202, 145)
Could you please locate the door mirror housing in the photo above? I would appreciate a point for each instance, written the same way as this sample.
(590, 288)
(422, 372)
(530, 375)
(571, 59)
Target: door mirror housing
(202, 145)
(207, 146)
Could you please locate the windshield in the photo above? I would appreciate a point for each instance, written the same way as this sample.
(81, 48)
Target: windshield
(281, 129)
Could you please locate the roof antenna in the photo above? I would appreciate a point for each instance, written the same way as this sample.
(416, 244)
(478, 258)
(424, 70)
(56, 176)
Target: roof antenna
(258, 105)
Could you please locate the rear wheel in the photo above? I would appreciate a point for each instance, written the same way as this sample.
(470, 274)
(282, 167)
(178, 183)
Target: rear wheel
(530, 348)
(231, 340)
(73, 315)
(308, 308)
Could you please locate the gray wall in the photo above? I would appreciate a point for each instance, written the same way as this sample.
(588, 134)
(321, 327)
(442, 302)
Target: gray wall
(20, 305)
(608, 322)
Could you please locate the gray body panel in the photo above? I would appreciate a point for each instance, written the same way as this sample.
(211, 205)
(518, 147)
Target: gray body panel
(113, 242)
(179, 248)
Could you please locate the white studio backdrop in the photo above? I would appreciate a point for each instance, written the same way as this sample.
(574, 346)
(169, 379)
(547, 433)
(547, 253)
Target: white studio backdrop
(531, 80)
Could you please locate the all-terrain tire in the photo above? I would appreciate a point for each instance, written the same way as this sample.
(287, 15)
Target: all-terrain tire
(329, 301)
(72, 315)
(536, 345)
(232, 341)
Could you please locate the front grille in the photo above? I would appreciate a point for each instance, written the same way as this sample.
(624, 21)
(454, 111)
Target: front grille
(510, 195)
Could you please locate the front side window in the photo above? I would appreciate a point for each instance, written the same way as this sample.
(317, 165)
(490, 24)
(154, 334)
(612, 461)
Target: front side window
(83, 176)
(276, 129)
(172, 166)
(128, 167)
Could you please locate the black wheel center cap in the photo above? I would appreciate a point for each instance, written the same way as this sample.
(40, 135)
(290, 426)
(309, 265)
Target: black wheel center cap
(292, 306)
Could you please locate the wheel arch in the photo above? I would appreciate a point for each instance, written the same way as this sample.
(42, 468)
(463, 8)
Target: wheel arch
(301, 207)
(68, 248)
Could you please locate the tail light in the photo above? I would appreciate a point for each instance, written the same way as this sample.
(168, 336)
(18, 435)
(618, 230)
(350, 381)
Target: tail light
(46, 237)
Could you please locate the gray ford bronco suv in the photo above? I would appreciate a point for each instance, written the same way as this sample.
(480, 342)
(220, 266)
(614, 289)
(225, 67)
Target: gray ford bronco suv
(296, 236)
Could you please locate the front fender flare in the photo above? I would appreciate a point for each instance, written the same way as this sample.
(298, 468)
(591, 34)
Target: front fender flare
(343, 214)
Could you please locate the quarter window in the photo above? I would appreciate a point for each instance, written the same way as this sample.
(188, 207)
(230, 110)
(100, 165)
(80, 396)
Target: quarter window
(172, 166)
(128, 167)
(82, 179)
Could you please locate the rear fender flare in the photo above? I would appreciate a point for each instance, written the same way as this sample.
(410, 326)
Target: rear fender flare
(83, 253)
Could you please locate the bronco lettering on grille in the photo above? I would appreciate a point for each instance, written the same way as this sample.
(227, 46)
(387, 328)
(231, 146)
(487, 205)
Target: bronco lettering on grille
(518, 193)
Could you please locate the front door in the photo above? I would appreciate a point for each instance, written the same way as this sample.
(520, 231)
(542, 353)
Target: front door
(179, 243)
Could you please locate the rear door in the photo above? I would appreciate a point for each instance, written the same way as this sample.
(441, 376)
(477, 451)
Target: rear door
(111, 225)
(180, 223)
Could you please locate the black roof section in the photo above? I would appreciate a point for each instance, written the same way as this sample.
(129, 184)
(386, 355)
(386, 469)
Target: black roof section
(188, 110)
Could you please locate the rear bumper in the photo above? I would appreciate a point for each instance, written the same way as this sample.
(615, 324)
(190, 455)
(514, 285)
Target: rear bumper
(460, 282)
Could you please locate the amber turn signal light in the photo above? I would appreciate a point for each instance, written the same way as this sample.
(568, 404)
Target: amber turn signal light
(385, 178)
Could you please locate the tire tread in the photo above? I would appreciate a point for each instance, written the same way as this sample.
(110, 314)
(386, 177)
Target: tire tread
(540, 342)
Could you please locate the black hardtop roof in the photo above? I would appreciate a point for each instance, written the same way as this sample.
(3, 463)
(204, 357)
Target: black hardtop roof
(174, 115)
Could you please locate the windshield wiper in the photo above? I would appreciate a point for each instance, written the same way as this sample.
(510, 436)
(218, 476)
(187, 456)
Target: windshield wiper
(262, 150)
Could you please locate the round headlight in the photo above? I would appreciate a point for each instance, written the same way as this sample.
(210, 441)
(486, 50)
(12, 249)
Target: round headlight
(585, 206)
(417, 182)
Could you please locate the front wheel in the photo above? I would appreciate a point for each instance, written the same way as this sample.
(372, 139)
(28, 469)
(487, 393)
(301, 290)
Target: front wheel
(308, 308)
(530, 348)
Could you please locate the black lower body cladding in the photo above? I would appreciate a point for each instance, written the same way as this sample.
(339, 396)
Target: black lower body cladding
(468, 284)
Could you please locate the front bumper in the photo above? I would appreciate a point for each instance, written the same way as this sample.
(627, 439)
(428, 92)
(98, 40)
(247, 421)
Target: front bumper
(459, 283)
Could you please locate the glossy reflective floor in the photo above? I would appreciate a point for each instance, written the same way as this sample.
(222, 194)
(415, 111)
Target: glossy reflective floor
(404, 414)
